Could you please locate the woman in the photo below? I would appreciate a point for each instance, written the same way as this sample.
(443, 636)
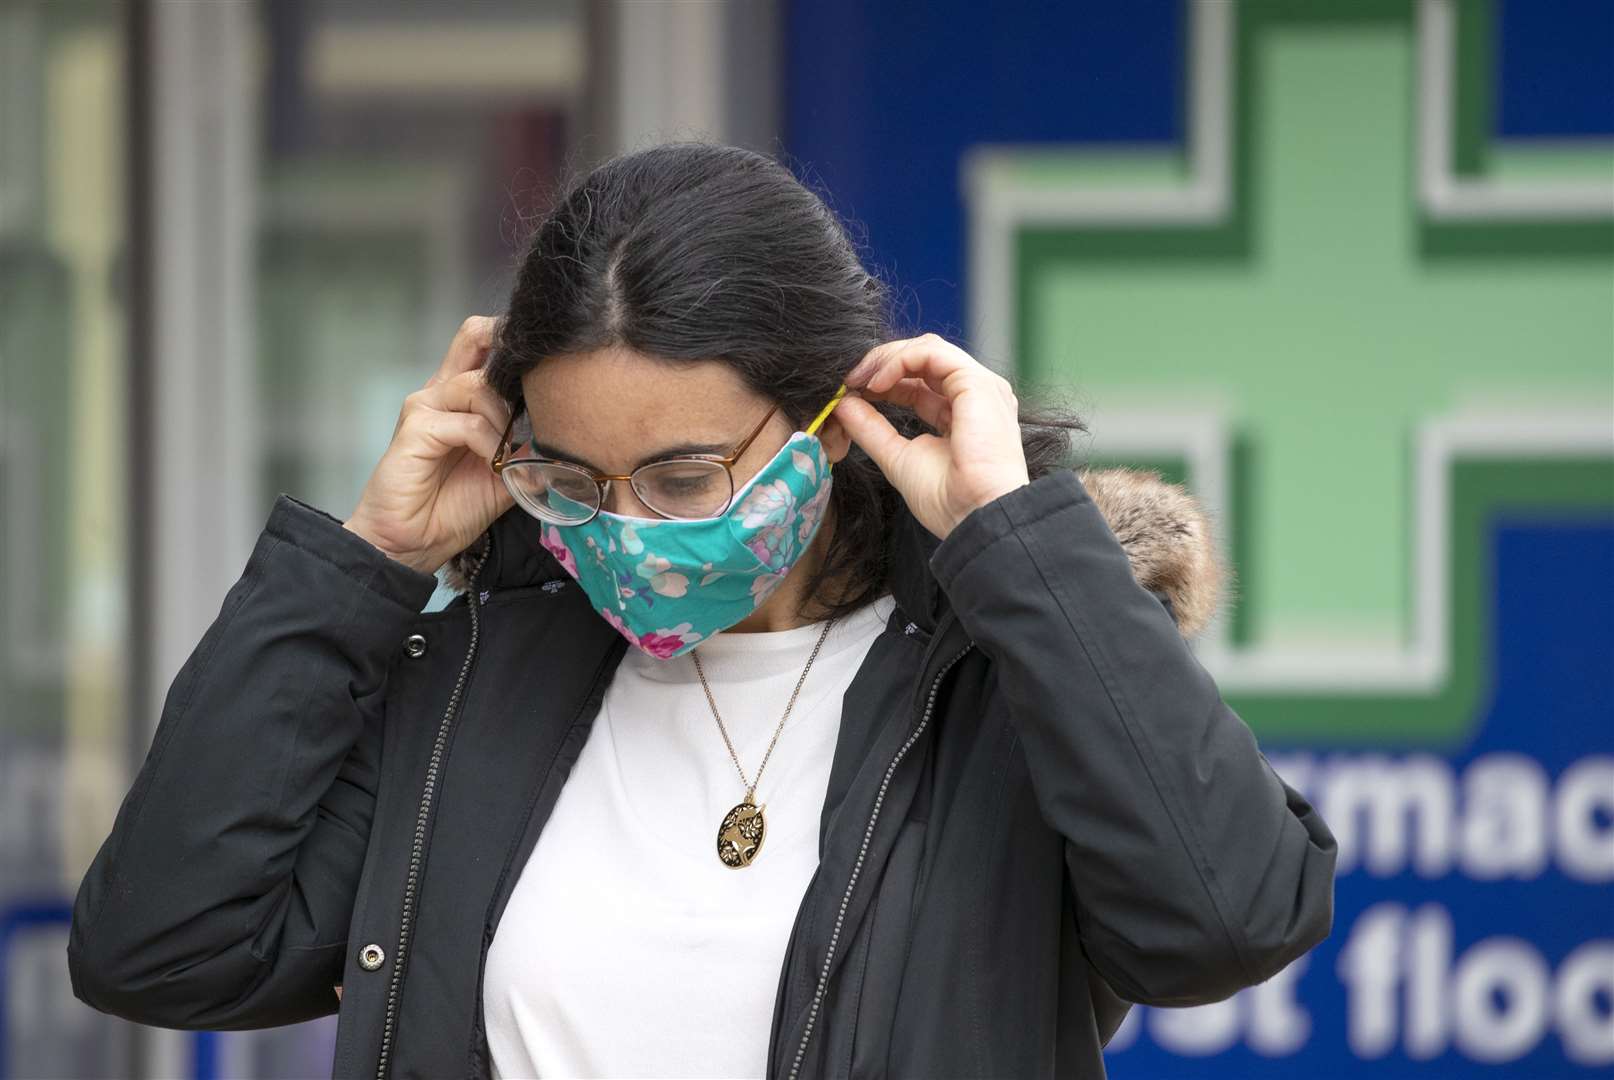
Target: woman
(532, 834)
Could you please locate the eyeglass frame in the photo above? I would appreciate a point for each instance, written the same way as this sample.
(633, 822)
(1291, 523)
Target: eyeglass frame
(601, 480)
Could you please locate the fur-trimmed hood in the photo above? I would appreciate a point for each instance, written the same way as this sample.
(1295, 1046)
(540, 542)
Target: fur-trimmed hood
(1164, 530)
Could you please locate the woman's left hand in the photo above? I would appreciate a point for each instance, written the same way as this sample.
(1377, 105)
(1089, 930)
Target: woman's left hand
(977, 457)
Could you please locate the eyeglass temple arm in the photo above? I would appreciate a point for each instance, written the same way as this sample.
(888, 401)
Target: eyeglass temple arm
(500, 456)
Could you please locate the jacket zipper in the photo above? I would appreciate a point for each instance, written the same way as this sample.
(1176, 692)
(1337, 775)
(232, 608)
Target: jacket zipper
(422, 817)
(868, 833)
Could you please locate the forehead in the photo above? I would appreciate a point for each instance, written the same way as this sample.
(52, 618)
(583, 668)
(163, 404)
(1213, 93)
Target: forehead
(614, 405)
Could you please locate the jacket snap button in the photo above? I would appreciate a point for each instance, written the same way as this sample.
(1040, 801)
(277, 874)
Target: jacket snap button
(371, 957)
(415, 645)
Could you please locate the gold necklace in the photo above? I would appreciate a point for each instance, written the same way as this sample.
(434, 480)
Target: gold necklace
(740, 834)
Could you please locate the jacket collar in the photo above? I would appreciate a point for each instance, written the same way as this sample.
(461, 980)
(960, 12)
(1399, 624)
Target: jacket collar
(1164, 530)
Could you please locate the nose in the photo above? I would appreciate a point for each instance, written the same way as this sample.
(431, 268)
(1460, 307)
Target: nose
(620, 498)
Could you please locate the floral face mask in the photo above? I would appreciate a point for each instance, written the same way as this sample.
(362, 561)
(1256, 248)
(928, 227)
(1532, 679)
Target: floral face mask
(666, 585)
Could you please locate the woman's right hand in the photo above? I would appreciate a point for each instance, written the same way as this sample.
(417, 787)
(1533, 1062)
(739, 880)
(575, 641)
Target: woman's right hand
(433, 492)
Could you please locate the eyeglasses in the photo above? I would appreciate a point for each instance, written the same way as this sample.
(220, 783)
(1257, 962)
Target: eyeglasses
(687, 487)
(684, 488)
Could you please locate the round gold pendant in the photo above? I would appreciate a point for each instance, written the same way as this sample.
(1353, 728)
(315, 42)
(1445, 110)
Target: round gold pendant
(739, 838)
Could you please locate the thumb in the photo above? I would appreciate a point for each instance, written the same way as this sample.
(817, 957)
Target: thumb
(869, 428)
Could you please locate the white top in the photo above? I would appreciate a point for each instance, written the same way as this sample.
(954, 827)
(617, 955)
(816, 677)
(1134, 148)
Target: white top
(628, 949)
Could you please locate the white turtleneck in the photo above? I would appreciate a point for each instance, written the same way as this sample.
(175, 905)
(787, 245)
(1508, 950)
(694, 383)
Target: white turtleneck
(628, 949)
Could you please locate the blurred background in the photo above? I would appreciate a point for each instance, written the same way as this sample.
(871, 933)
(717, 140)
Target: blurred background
(1345, 269)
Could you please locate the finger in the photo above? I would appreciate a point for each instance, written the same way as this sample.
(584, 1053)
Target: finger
(468, 349)
(916, 395)
(872, 431)
(480, 396)
(445, 431)
(944, 367)
(467, 392)
(976, 396)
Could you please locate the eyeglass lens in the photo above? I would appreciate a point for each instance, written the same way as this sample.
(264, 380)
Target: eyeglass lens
(678, 488)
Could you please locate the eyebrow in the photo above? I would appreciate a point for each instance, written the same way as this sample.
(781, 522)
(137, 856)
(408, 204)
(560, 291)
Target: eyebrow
(543, 449)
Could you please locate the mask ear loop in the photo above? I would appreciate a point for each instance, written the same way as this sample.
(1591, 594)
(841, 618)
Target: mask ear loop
(823, 413)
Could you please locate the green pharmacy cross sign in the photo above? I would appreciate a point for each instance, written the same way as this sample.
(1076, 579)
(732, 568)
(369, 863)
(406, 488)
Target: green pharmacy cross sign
(1354, 327)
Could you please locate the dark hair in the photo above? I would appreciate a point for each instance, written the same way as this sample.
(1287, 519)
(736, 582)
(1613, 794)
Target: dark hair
(699, 251)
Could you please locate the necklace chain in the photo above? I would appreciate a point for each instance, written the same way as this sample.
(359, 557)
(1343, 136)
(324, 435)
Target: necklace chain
(751, 786)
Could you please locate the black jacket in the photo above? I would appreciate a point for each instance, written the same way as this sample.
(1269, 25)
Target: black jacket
(1039, 809)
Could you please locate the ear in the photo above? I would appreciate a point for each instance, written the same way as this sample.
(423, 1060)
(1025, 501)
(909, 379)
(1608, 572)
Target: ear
(837, 441)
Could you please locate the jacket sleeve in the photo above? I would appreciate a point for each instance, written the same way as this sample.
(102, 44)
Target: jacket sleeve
(221, 898)
(1197, 871)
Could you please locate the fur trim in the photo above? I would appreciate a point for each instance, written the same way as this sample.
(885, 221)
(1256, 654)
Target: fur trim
(1164, 530)
(457, 571)
(1167, 535)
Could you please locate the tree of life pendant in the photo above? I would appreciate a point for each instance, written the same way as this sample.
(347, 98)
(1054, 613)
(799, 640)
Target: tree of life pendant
(739, 838)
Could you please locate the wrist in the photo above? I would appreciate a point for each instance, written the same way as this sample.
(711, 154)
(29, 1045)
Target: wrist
(416, 561)
(988, 494)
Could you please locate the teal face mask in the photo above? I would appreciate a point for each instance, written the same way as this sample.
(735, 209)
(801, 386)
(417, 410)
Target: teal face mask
(667, 585)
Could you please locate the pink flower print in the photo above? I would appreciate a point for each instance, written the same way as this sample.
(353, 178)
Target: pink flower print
(663, 579)
(762, 586)
(804, 464)
(666, 641)
(621, 627)
(770, 545)
(552, 543)
(811, 511)
(670, 584)
(766, 504)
